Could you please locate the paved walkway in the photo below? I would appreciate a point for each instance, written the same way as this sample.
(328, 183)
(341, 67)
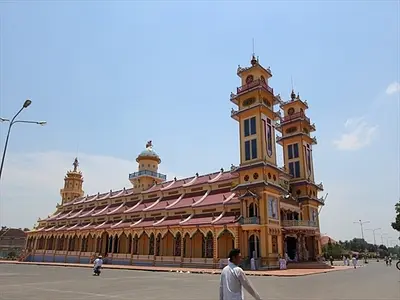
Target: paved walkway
(280, 273)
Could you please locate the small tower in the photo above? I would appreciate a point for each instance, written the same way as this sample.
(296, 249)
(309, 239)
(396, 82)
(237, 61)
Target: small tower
(256, 116)
(147, 174)
(73, 182)
(297, 144)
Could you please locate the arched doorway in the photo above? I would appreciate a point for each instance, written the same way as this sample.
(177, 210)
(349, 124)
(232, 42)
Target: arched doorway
(226, 242)
(254, 246)
(291, 247)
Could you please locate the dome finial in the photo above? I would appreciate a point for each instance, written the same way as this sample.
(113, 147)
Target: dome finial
(149, 145)
(293, 95)
(76, 164)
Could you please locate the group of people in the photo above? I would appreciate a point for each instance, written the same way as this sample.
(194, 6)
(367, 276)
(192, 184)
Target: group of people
(346, 260)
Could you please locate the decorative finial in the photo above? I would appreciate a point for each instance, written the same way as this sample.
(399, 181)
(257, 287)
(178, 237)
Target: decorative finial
(197, 174)
(253, 60)
(76, 164)
(298, 96)
(293, 95)
(149, 145)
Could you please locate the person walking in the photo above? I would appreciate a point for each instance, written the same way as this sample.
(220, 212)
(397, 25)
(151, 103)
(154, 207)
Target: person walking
(233, 280)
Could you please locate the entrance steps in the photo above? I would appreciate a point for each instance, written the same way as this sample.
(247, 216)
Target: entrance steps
(308, 265)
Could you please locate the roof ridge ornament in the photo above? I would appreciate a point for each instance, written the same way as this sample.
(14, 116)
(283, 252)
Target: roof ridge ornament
(76, 164)
(149, 145)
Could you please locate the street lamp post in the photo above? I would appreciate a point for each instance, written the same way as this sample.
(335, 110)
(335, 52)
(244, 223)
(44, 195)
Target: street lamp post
(376, 246)
(11, 123)
(362, 235)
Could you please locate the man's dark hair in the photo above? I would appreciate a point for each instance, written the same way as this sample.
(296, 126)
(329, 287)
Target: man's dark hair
(233, 253)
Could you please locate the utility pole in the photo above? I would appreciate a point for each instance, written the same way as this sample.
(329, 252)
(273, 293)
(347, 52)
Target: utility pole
(375, 245)
(361, 226)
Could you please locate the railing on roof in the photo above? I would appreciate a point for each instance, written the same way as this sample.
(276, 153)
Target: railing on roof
(298, 115)
(250, 220)
(299, 223)
(254, 84)
(147, 173)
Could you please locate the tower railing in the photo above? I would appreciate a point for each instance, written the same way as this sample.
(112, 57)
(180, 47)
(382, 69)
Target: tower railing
(299, 223)
(255, 84)
(147, 173)
(298, 115)
(250, 220)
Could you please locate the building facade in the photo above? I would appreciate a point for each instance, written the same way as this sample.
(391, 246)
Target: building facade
(12, 242)
(259, 207)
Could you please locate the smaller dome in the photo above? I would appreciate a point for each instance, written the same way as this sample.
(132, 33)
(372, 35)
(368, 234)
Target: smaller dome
(148, 153)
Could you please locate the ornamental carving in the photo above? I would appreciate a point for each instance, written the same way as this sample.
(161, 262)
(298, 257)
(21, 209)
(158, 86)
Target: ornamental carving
(249, 101)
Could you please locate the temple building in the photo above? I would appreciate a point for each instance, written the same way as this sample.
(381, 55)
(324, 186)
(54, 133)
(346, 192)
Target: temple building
(264, 209)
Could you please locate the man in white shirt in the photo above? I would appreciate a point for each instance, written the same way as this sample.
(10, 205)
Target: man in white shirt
(233, 280)
(98, 262)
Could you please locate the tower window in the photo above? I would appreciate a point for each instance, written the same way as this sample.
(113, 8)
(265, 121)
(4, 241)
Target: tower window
(293, 151)
(250, 126)
(250, 149)
(294, 169)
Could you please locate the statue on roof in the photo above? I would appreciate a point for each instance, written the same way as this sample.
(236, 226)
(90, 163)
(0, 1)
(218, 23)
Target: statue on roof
(149, 145)
(76, 164)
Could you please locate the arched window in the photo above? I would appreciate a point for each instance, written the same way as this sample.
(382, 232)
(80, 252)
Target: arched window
(178, 244)
(158, 244)
(209, 245)
(151, 244)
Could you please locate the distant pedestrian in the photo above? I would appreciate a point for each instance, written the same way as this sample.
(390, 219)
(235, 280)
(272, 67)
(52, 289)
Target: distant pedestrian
(233, 280)
(354, 260)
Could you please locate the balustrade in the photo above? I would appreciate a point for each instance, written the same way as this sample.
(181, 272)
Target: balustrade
(299, 223)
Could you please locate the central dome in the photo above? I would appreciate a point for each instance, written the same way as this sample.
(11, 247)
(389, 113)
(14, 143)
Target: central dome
(148, 153)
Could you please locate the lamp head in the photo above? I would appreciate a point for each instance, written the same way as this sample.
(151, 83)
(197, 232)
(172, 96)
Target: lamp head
(27, 103)
(4, 120)
(42, 123)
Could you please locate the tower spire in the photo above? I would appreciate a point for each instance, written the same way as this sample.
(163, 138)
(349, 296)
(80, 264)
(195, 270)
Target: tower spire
(76, 164)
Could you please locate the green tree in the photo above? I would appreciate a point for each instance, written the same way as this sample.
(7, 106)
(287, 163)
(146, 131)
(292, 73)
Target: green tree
(396, 223)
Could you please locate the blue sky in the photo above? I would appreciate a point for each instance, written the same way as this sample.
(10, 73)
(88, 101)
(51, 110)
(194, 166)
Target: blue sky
(108, 76)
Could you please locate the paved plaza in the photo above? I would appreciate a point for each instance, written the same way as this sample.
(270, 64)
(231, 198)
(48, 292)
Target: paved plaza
(28, 282)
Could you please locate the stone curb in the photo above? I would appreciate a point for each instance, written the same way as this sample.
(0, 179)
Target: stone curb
(275, 273)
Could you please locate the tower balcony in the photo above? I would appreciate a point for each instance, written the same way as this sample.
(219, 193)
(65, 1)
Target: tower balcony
(293, 117)
(147, 173)
(249, 221)
(256, 84)
(299, 223)
(312, 140)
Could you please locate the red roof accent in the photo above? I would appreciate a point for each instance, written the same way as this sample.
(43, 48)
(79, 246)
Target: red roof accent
(74, 227)
(198, 221)
(75, 214)
(223, 177)
(178, 183)
(117, 210)
(92, 198)
(170, 221)
(87, 212)
(144, 223)
(214, 198)
(64, 215)
(124, 224)
(188, 200)
(204, 179)
(141, 206)
(99, 211)
(104, 225)
(225, 220)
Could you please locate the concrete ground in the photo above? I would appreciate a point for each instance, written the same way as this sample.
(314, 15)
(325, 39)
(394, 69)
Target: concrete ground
(28, 282)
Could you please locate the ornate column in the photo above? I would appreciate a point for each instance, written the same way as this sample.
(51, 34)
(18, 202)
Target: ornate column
(182, 247)
(236, 232)
(215, 248)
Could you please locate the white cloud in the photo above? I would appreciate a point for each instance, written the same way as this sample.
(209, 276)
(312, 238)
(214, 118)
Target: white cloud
(393, 88)
(358, 134)
(32, 181)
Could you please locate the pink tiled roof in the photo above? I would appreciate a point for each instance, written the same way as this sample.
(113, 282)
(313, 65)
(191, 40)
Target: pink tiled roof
(178, 183)
(188, 200)
(214, 198)
(104, 225)
(225, 220)
(199, 220)
(144, 223)
(170, 221)
(87, 212)
(123, 224)
(98, 210)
